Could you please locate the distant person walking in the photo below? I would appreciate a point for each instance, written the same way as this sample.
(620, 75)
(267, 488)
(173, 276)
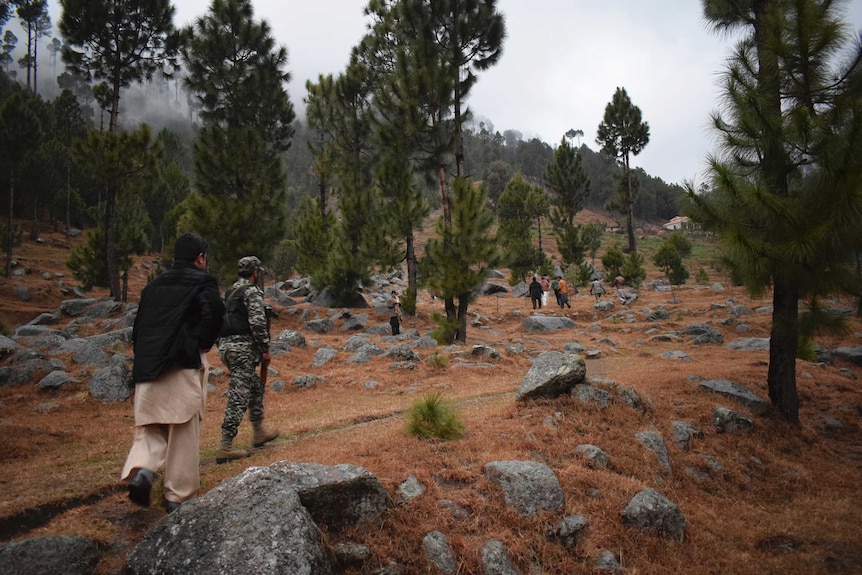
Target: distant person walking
(178, 321)
(564, 293)
(546, 286)
(243, 344)
(395, 318)
(555, 286)
(536, 293)
(597, 288)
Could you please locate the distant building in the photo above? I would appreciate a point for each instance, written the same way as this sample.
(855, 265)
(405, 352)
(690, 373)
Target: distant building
(676, 223)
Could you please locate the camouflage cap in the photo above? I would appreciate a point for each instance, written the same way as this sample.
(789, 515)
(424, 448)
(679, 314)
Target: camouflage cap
(248, 264)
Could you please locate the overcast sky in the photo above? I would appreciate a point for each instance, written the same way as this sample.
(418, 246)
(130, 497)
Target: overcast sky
(562, 61)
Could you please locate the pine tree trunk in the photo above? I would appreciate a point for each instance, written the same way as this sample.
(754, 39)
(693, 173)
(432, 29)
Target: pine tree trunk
(111, 245)
(630, 203)
(10, 229)
(463, 301)
(783, 342)
(412, 269)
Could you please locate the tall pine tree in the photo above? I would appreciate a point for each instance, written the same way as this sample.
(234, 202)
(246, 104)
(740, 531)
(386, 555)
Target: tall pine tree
(237, 75)
(787, 199)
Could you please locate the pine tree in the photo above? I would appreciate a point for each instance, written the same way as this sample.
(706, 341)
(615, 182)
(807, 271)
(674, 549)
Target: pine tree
(571, 186)
(623, 134)
(458, 259)
(787, 203)
(120, 42)
(237, 75)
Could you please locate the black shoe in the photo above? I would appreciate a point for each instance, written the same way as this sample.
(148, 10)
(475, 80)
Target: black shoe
(171, 506)
(140, 487)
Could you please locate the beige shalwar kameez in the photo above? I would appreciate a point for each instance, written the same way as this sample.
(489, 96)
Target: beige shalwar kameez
(168, 413)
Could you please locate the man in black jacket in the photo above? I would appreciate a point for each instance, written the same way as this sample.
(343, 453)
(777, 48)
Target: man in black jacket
(178, 321)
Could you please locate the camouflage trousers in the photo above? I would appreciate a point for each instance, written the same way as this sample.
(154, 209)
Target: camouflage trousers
(245, 390)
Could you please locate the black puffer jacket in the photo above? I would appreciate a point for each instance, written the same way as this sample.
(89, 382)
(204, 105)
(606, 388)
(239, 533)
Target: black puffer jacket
(180, 314)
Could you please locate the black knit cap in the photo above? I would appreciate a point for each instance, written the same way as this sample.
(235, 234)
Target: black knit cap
(188, 246)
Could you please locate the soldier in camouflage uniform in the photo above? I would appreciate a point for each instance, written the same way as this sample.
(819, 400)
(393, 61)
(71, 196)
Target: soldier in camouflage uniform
(243, 344)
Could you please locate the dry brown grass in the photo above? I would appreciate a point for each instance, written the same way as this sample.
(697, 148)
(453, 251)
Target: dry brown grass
(793, 509)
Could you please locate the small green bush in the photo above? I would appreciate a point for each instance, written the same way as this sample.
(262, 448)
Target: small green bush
(701, 277)
(431, 417)
(445, 330)
(438, 361)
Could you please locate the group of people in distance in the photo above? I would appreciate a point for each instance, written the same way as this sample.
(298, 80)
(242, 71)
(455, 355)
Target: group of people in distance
(539, 287)
(538, 290)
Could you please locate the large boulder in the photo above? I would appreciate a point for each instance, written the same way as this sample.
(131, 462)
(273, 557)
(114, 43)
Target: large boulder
(50, 555)
(528, 486)
(651, 511)
(552, 374)
(112, 383)
(544, 324)
(251, 523)
(335, 495)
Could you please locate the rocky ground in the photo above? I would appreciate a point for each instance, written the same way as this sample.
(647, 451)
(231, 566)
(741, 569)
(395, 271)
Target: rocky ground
(784, 500)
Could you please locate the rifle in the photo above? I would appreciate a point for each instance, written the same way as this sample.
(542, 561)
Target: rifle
(264, 363)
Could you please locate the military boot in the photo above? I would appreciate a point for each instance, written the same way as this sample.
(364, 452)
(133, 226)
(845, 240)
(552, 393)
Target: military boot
(262, 436)
(227, 452)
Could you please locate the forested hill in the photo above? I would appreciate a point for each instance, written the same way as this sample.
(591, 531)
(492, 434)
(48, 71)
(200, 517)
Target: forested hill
(495, 158)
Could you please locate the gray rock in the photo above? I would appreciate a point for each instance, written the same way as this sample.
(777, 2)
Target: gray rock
(851, 354)
(50, 555)
(410, 489)
(604, 306)
(521, 290)
(45, 319)
(573, 347)
(290, 337)
(727, 420)
(495, 559)
(35, 331)
(491, 289)
(544, 324)
(607, 561)
(750, 344)
(701, 333)
(740, 310)
(323, 355)
(425, 342)
(379, 329)
(657, 315)
(7, 345)
(528, 486)
(655, 443)
(251, 523)
(589, 394)
(402, 352)
(681, 355)
(484, 351)
(439, 553)
(651, 511)
(737, 392)
(75, 307)
(355, 322)
(112, 383)
(56, 380)
(351, 555)
(551, 375)
(631, 398)
(336, 495)
(306, 380)
(570, 530)
(596, 458)
(118, 337)
(321, 325)
(684, 432)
